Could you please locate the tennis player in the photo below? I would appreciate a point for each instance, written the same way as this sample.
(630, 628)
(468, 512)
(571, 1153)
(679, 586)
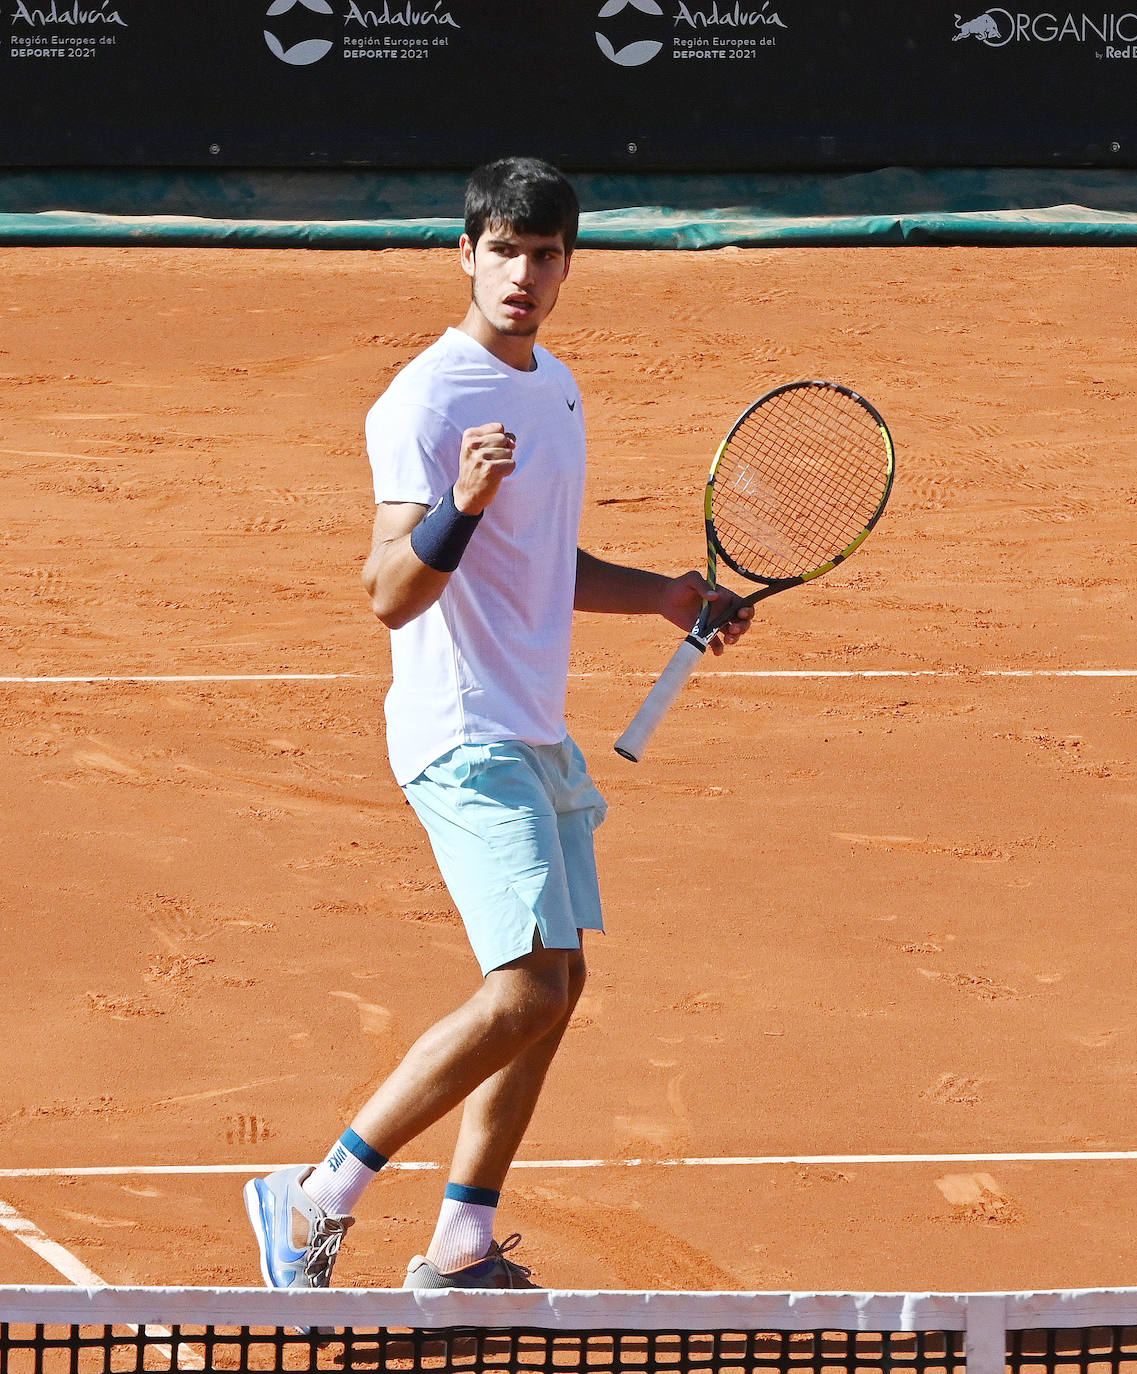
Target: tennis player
(478, 456)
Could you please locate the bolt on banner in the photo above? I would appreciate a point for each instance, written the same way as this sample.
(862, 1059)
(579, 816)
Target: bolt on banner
(595, 85)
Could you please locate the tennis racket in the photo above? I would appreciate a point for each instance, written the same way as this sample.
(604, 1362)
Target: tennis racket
(795, 487)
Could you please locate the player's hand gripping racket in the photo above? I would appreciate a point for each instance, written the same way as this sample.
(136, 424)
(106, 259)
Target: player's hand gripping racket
(794, 489)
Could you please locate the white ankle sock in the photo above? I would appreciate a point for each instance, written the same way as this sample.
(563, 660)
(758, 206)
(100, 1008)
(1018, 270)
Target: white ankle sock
(339, 1181)
(465, 1227)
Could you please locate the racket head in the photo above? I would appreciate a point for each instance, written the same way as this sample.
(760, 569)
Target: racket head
(799, 481)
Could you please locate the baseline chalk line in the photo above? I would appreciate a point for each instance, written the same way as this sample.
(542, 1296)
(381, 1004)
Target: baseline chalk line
(50, 680)
(786, 674)
(688, 1162)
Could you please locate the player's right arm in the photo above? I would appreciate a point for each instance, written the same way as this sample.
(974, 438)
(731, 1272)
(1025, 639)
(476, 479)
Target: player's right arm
(398, 582)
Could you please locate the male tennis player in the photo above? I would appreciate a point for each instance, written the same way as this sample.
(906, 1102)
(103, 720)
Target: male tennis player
(478, 453)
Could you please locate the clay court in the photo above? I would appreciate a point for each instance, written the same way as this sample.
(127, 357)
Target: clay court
(870, 894)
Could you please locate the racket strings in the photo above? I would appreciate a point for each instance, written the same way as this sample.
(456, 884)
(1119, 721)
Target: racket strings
(798, 480)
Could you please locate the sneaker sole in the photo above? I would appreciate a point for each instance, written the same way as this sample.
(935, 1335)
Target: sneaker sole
(255, 1210)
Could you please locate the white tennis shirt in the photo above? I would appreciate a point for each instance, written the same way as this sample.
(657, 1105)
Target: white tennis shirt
(489, 660)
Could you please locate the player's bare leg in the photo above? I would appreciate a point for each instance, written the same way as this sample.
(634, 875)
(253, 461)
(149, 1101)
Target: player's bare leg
(519, 1013)
(463, 1251)
(497, 1113)
(515, 1007)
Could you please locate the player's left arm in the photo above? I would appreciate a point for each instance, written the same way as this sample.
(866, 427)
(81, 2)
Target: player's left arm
(613, 589)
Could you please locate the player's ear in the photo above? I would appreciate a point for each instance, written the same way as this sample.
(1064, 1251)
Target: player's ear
(466, 254)
(568, 264)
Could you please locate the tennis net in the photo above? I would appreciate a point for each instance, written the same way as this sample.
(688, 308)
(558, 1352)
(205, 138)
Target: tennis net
(49, 1330)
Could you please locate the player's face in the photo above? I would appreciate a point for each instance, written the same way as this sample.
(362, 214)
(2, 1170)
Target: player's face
(515, 278)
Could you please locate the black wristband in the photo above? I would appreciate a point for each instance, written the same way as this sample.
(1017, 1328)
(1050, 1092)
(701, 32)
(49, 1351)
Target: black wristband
(439, 539)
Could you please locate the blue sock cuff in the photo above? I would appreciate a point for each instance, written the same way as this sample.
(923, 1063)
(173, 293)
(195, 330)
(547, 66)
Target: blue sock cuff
(356, 1145)
(462, 1192)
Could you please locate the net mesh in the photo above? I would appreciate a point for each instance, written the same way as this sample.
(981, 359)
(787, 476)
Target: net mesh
(122, 1349)
(91, 1349)
(683, 1334)
(802, 475)
(1098, 1348)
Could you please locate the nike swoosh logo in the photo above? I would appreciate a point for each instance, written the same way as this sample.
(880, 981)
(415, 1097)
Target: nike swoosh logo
(571, 404)
(283, 1232)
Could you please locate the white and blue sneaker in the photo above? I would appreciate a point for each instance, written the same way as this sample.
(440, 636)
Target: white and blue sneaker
(298, 1240)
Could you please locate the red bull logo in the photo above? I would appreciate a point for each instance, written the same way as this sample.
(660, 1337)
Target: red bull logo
(997, 27)
(984, 28)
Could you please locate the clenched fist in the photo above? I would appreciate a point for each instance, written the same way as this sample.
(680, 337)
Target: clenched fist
(486, 460)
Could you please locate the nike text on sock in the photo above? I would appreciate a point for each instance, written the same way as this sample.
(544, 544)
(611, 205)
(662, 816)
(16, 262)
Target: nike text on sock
(340, 1180)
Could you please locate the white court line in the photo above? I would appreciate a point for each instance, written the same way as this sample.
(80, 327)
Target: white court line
(60, 1259)
(691, 1162)
(76, 1272)
(892, 672)
(192, 677)
(784, 673)
(930, 672)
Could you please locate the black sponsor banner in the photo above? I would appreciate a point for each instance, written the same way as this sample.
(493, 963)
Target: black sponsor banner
(620, 85)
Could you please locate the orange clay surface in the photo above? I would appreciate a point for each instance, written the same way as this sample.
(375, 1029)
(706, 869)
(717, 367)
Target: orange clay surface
(849, 915)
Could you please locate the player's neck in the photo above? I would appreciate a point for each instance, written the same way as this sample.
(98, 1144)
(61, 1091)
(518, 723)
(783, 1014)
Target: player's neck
(515, 350)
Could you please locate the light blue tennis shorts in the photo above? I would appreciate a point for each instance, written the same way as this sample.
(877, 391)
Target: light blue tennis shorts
(511, 828)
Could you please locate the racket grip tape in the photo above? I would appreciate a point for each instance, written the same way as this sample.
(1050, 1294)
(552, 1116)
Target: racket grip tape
(657, 703)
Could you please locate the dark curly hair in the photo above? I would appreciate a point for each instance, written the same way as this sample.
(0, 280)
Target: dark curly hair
(523, 194)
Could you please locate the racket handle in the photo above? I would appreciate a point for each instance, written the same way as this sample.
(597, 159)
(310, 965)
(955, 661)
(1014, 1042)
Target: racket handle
(670, 683)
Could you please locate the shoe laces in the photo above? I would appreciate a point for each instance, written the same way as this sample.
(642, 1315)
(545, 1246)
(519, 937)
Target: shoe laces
(323, 1247)
(499, 1252)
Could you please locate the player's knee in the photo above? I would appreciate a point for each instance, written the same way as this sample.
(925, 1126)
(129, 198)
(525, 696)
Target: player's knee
(527, 1018)
(530, 1001)
(547, 1004)
(577, 970)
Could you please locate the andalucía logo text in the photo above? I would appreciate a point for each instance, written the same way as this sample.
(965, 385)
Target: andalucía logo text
(403, 16)
(75, 14)
(632, 33)
(391, 30)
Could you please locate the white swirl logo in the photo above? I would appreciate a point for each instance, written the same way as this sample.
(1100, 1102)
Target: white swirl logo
(308, 50)
(638, 52)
